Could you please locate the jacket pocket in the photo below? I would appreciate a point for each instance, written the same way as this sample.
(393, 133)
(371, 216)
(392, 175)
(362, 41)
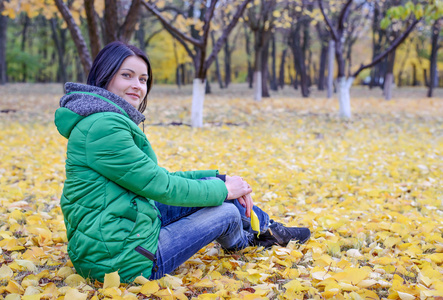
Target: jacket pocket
(145, 253)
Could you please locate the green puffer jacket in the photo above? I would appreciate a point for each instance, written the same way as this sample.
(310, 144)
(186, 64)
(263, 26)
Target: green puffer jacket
(112, 180)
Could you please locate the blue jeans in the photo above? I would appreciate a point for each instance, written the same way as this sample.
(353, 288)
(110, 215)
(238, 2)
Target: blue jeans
(185, 230)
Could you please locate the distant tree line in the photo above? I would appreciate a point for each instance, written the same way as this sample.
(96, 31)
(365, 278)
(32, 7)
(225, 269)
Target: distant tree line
(306, 44)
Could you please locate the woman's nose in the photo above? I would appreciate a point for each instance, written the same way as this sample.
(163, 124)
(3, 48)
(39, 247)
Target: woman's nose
(136, 85)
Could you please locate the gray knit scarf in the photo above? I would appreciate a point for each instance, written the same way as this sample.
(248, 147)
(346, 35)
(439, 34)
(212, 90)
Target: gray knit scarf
(85, 105)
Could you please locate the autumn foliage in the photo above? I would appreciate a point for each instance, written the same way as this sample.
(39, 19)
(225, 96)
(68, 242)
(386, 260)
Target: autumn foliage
(370, 189)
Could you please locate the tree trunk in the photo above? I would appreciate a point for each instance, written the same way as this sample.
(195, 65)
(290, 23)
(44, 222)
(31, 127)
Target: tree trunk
(183, 73)
(227, 64)
(23, 46)
(389, 77)
(433, 59)
(330, 82)
(60, 53)
(3, 40)
(425, 75)
(295, 84)
(198, 98)
(257, 86)
(177, 77)
(299, 60)
(111, 21)
(250, 77)
(258, 75)
(265, 70)
(414, 75)
(322, 70)
(282, 69)
(82, 48)
(207, 87)
(217, 66)
(274, 85)
(128, 27)
(344, 99)
(388, 83)
(94, 38)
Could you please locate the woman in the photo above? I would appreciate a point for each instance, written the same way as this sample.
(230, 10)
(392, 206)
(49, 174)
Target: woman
(122, 211)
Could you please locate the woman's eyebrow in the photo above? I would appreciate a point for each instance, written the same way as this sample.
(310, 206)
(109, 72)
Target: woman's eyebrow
(134, 71)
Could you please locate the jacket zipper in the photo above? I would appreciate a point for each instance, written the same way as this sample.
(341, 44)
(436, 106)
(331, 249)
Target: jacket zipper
(145, 253)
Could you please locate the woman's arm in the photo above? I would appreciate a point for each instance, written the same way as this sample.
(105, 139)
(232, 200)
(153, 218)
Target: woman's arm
(111, 151)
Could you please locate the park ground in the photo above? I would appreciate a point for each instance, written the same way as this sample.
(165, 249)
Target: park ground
(369, 188)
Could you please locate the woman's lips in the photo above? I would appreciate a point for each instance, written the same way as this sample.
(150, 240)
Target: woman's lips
(134, 96)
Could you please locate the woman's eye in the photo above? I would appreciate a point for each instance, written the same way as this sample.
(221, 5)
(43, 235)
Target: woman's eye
(143, 80)
(126, 75)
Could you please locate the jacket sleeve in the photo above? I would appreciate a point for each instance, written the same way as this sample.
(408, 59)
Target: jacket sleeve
(195, 174)
(111, 151)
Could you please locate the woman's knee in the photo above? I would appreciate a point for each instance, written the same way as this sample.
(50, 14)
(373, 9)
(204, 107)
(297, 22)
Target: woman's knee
(229, 211)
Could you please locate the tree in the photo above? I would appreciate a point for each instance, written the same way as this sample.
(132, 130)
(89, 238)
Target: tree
(118, 23)
(261, 21)
(3, 40)
(199, 39)
(338, 35)
(436, 45)
(299, 40)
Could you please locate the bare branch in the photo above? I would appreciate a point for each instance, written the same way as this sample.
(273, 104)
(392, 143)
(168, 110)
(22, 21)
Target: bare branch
(182, 42)
(170, 27)
(172, 8)
(92, 27)
(344, 15)
(221, 40)
(391, 48)
(328, 22)
(76, 34)
(207, 20)
(131, 20)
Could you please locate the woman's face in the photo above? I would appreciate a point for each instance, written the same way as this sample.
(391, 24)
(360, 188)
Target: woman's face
(130, 81)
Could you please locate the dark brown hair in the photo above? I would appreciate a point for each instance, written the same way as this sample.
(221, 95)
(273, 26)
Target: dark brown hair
(109, 61)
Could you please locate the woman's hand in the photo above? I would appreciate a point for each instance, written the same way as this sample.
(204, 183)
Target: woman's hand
(237, 187)
(246, 201)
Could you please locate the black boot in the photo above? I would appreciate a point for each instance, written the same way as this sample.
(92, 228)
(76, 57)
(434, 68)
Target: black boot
(278, 234)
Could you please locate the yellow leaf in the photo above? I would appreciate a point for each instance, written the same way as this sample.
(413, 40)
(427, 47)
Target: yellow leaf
(111, 280)
(204, 283)
(425, 280)
(405, 296)
(64, 272)
(320, 275)
(368, 294)
(6, 272)
(74, 280)
(140, 280)
(392, 241)
(13, 287)
(172, 282)
(112, 292)
(13, 297)
(165, 294)
(295, 286)
(32, 293)
(73, 294)
(367, 283)
(436, 258)
(208, 296)
(149, 288)
(28, 265)
(384, 261)
(255, 223)
(352, 275)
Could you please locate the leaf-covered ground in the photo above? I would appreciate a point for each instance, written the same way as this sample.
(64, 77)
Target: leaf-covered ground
(370, 189)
